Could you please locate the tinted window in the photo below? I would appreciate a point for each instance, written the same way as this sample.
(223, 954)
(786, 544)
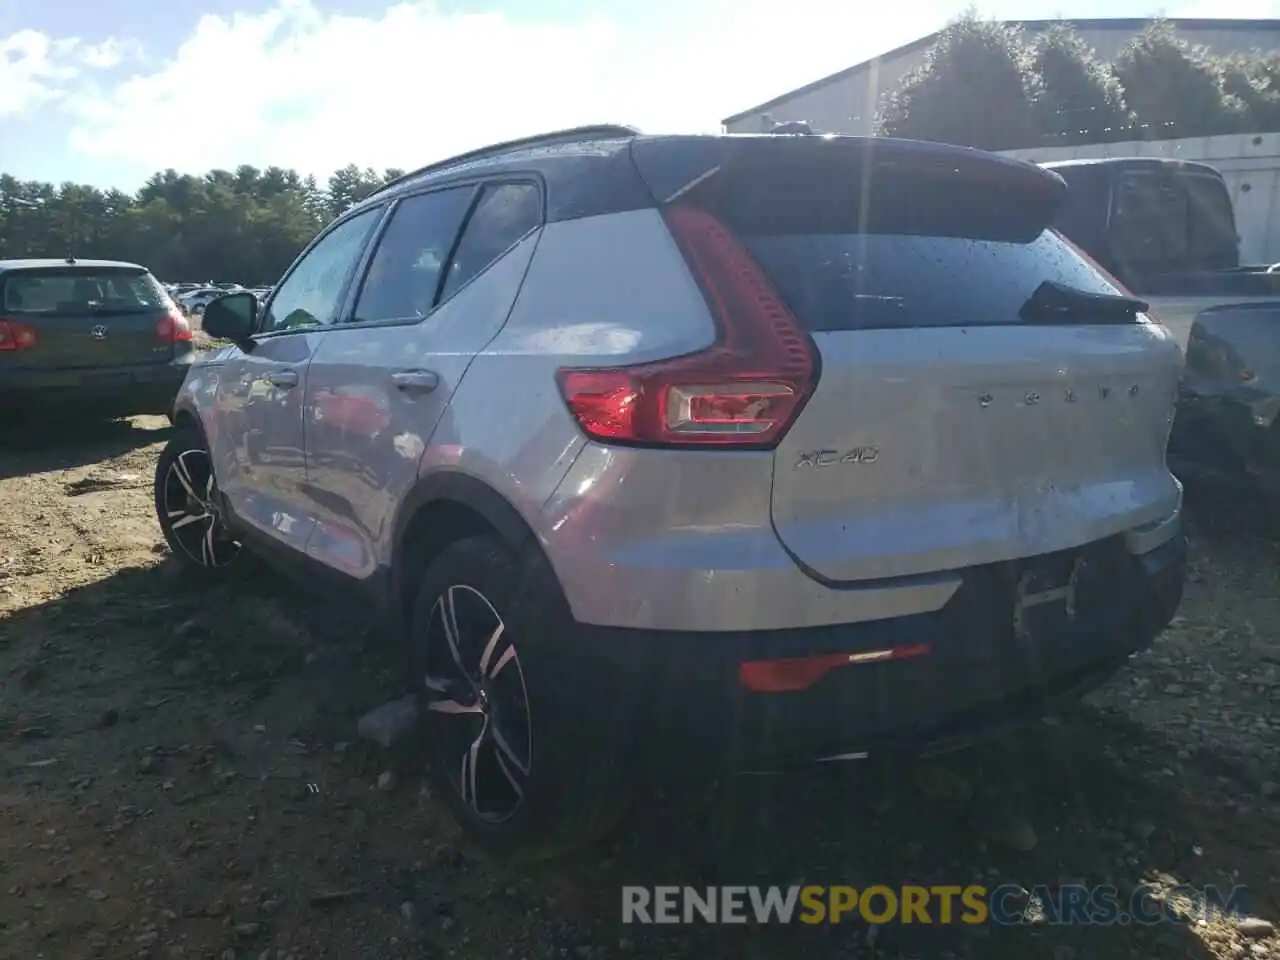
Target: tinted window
(1149, 220)
(310, 294)
(852, 281)
(83, 290)
(1212, 224)
(504, 214)
(404, 274)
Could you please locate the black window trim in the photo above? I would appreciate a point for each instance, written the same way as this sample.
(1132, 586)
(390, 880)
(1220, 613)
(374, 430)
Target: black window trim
(261, 336)
(346, 319)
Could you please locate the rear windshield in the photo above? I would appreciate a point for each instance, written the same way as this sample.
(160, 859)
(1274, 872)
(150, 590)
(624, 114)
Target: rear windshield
(860, 238)
(83, 290)
(1164, 222)
(1213, 244)
(859, 281)
(1149, 220)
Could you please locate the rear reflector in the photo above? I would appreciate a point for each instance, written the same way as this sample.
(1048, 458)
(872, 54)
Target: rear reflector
(17, 336)
(744, 391)
(800, 673)
(174, 328)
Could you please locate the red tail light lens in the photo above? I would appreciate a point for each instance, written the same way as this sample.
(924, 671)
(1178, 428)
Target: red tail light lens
(745, 391)
(17, 336)
(174, 328)
(800, 673)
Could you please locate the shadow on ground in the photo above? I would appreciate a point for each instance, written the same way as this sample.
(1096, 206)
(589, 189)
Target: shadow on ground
(218, 721)
(42, 444)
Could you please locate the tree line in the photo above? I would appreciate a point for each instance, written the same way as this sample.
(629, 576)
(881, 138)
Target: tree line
(982, 84)
(991, 85)
(245, 225)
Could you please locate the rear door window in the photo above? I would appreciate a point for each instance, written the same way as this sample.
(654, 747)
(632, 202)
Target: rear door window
(405, 272)
(852, 281)
(85, 290)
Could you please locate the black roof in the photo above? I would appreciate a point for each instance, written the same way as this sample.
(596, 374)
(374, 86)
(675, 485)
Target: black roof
(1119, 24)
(588, 171)
(601, 131)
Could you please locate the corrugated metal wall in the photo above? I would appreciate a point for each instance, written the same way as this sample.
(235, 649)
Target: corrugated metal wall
(848, 104)
(1250, 163)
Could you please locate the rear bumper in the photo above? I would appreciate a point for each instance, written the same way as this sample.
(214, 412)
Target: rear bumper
(682, 696)
(149, 388)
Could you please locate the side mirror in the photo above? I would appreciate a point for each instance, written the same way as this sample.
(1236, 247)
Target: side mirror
(233, 316)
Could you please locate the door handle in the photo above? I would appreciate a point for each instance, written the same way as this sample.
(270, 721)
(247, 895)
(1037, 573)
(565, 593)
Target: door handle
(282, 378)
(415, 381)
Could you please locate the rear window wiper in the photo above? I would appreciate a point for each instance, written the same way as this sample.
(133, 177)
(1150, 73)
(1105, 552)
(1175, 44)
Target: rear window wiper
(1058, 303)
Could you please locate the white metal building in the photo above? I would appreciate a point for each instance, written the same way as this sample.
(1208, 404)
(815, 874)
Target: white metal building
(846, 102)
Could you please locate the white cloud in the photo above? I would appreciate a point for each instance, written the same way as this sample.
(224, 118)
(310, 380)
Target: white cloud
(110, 53)
(30, 66)
(300, 88)
(37, 69)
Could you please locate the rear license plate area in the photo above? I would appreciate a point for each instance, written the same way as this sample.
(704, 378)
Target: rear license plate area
(1045, 598)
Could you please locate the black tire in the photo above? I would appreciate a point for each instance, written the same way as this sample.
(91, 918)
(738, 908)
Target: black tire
(189, 509)
(573, 790)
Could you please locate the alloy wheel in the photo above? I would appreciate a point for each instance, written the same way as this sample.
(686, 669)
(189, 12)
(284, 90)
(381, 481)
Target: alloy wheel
(192, 512)
(482, 731)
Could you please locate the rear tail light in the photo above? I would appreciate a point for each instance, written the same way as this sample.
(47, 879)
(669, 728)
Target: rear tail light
(744, 391)
(173, 327)
(17, 336)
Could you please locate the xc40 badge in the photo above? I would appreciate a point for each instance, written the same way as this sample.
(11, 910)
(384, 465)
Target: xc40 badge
(829, 458)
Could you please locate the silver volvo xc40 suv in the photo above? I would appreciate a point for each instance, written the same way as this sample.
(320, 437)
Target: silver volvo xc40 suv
(697, 453)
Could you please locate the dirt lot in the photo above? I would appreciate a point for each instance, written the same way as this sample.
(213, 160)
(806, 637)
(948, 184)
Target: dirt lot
(182, 778)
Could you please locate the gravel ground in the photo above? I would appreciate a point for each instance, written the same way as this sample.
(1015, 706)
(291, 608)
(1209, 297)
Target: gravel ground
(182, 776)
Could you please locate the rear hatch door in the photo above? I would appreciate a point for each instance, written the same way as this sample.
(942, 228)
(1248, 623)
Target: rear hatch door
(87, 316)
(985, 393)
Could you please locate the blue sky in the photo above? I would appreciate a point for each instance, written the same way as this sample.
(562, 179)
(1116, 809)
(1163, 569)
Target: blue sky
(108, 95)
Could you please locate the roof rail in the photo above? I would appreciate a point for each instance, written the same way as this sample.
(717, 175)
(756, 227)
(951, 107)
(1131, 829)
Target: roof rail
(598, 131)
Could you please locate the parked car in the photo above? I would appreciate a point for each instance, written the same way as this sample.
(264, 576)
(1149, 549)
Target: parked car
(697, 454)
(194, 301)
(98, 337)
(1167, 229)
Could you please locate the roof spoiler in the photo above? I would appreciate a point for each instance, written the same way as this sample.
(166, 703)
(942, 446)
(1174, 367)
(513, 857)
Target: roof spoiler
(675, 166)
